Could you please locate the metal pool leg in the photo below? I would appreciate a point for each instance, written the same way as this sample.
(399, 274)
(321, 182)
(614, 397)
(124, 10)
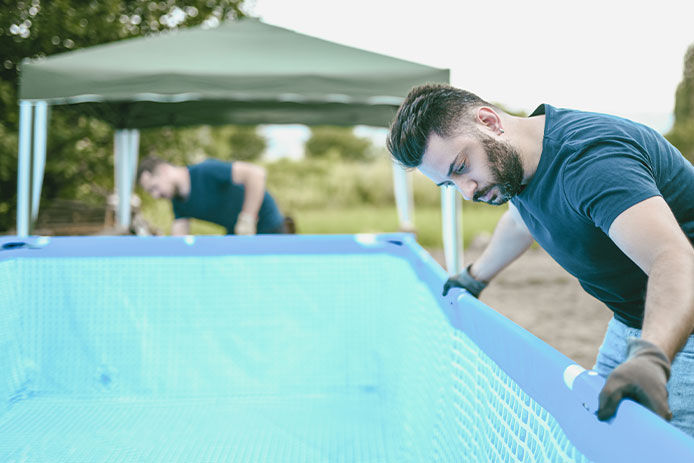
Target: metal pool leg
(402, 188)
(452, 229)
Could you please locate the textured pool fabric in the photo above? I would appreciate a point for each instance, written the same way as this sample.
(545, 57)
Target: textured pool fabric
(251, 358)
(327, 428)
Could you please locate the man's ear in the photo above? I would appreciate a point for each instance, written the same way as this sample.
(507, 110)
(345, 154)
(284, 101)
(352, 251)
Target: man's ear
(489, 118)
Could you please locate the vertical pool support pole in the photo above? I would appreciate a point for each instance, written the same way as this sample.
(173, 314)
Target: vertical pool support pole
(404, 200)
(451, 225)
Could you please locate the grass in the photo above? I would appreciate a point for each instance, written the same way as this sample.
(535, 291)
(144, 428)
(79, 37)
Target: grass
(365, 219)
(382, 219)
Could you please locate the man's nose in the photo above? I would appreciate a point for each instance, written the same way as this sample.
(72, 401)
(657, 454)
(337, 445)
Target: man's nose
(467, 188)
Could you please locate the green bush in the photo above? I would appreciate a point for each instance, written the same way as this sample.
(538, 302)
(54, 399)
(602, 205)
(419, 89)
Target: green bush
(319, 183)
(326, 183)
(337, 143)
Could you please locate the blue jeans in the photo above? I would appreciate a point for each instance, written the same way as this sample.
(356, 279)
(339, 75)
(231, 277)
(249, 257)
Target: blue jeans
(613, 351)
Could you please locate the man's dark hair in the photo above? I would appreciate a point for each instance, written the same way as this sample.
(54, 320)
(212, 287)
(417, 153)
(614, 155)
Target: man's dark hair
(148, 164)
(428, 108)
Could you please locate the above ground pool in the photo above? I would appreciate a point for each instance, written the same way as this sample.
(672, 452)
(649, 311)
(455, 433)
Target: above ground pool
(283, 349)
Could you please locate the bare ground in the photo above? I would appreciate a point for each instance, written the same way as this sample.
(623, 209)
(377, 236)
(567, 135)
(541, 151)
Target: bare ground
(539, 295)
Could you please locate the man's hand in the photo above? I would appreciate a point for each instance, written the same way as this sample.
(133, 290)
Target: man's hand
(466, 281)
(643, 377)
(245, 224)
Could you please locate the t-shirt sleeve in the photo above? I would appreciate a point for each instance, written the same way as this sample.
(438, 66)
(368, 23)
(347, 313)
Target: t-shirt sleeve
(608, 179)
(216, 171)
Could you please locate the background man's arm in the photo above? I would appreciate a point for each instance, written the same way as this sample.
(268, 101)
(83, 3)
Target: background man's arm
(252, 177)
(510, 239)
(649, 234)
(180, 227)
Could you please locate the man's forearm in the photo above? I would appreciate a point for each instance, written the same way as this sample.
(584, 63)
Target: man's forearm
(669, 311)
(254, 193)
(510, 240)
(180, 227)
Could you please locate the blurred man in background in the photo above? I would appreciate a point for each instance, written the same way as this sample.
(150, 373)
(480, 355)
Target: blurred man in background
(609, 199)
(232, 195)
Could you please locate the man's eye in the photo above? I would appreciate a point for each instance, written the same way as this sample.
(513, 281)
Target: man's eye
(460, 169)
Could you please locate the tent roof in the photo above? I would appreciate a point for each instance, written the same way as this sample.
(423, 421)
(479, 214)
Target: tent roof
(240, 72)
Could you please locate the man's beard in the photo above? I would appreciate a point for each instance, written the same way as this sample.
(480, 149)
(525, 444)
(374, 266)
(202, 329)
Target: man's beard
(507, 170)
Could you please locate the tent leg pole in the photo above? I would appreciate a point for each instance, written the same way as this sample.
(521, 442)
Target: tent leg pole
(132, 143)
(23, 168)
(452, 231)
(402, 188)
(120, 165)
(134, 155)
(125, 145)
(39, 164)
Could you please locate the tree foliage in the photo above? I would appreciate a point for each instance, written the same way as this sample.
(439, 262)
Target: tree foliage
(79, 161)
(245, 143)
(337, 142)
(684, 97)
(682, 133)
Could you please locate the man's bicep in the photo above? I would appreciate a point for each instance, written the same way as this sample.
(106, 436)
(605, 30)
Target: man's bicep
(242, 172)
(517, 218)
(645, 230)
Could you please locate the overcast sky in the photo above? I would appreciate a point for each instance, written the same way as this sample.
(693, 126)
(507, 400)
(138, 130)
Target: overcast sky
(615, 56)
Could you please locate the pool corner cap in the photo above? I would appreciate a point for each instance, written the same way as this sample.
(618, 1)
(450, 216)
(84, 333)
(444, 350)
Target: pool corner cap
(366, 239)
(571, 373)
(42, 241)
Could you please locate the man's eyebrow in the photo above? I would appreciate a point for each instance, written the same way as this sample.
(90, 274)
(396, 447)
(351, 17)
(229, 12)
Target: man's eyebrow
(452, 166)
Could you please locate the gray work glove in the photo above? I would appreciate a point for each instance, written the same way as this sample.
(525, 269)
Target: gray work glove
(464, 280)
(643, 377)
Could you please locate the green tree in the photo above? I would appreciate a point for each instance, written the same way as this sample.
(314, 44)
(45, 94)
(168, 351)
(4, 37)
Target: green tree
(246, 144)
(682, 133)
(338, 142)
(238, 143)
(80, 161)
(684, 97)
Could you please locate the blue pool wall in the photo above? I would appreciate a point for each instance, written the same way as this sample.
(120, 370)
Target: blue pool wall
(539, 370)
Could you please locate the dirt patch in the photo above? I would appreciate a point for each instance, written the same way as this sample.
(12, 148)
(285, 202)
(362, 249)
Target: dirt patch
(539, 295)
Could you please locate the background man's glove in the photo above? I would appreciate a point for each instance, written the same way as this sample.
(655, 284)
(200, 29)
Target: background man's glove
(643, 377)
(245, 224)
(464, 280)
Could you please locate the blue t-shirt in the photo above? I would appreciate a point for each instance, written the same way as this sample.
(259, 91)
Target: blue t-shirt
(215, 198)
(593, 167)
